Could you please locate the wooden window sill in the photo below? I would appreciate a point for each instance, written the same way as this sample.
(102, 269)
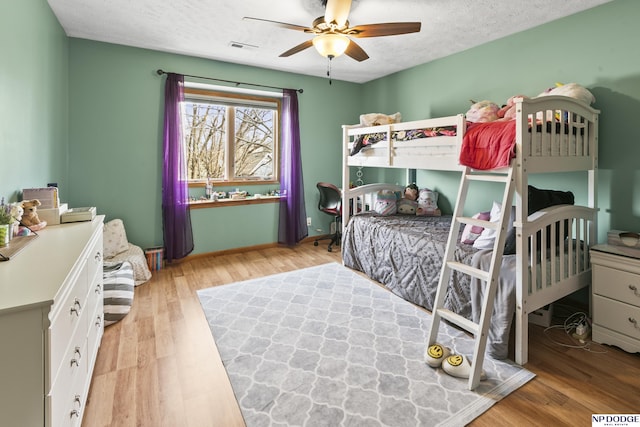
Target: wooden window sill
(200, 204)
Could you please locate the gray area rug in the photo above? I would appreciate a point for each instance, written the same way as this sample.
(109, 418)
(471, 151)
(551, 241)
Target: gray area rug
(323, 346)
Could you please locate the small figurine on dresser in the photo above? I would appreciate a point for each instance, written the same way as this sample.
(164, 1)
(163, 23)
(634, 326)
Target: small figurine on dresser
(30, 217)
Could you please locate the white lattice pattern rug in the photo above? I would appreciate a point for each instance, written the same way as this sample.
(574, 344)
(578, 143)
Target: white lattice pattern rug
(324, 346)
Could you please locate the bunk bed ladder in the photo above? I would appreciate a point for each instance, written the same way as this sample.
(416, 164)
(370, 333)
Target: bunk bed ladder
(449, 265)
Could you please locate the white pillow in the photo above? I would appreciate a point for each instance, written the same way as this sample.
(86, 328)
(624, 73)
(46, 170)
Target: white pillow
(488, 236)
(115, 238)
(471, 232)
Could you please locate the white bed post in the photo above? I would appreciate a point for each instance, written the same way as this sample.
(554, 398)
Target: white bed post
(346, 180)
(593, 192)
(522, 249)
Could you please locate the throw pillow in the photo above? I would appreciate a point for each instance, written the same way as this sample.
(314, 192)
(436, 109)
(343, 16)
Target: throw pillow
(487, 238)
(115, 238)
(540, 199)
(472, 232)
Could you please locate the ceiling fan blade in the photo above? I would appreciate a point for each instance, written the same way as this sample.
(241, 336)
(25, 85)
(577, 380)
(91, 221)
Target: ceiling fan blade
(280, 24)
(298, 48)
(388, 29)
(337, 11)
(356, 52)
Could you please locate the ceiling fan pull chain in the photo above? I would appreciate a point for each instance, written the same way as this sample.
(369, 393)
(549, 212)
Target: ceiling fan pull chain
(329, 68)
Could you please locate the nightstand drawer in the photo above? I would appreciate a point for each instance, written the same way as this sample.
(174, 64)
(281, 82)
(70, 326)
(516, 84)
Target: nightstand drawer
(617, 284)
(617, 316)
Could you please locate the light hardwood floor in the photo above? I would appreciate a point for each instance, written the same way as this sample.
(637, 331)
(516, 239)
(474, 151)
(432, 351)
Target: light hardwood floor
(160, 367)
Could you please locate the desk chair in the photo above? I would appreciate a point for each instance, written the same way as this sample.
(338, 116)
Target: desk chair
(331, 204)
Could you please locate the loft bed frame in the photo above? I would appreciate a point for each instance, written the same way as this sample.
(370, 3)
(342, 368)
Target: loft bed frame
(552, 134)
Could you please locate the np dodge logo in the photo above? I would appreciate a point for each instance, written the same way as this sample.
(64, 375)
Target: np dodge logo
(616, 420)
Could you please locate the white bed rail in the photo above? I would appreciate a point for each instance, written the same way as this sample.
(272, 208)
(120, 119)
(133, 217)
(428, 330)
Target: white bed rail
(562, 264)
(543, 238)
(564, 137)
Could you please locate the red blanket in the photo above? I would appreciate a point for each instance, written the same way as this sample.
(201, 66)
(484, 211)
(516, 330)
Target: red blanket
(488, 145)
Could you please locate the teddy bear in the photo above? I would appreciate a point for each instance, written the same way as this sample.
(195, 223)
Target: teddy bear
(30, 216)
(428, 203)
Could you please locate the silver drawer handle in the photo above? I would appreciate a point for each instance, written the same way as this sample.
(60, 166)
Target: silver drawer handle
(98, 257)
(634, 322)
(74, 413)
(98, 321)
(77, 400)
(76, 360)
(98, 289)
(635, 290)
(76, 307)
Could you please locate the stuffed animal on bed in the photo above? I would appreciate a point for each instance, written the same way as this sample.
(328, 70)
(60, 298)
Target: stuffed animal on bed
(572, 90)
(411, 192)
(407, 207)
(386, 202)
(428, 203)
(483, 111)
(376, 119)
(508, 112)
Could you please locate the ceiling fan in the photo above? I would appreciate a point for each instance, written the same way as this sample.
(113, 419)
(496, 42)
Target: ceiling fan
(333, 33)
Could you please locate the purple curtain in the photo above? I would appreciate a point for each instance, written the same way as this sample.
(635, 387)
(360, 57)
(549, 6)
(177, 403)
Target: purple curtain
(293, 215)
(176, 217)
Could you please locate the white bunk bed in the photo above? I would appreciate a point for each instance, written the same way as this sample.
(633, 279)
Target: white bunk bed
(552, 134)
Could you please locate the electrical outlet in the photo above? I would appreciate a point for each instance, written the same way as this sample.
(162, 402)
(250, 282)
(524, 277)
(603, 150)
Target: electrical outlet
(308, 220)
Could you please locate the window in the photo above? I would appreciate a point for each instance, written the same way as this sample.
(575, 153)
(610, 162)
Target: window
(230, 138)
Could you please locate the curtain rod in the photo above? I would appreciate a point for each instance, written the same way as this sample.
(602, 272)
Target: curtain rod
(161, 72)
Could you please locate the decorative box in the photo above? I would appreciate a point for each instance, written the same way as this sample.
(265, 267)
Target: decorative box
(52, 215)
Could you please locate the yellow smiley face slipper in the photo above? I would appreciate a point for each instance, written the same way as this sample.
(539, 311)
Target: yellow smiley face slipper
(459, 366)
(435, 354)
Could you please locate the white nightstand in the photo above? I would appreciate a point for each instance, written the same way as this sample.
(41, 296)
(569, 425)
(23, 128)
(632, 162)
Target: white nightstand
(616, 297)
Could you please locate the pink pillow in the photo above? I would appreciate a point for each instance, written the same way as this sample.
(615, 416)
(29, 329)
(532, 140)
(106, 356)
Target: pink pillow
(471, 232)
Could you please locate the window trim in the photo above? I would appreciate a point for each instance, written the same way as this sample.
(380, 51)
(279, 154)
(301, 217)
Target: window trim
(199, 92)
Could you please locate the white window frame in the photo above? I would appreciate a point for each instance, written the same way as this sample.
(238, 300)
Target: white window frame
(240, 97)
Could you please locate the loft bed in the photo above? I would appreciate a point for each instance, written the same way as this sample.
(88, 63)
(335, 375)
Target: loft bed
(404, 252)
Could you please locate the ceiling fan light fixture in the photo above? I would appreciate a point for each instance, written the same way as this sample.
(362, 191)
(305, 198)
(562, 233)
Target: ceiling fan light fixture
(331, 45)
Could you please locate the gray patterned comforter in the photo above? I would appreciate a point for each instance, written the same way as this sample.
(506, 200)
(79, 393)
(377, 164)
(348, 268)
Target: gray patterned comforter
(405, 253)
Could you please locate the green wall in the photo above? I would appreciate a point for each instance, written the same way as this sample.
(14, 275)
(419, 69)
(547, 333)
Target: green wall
(33, 98)
(597, 48)
(116, 107)
(88, 115)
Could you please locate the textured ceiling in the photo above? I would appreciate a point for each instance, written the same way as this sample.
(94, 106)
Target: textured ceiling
(208, 28)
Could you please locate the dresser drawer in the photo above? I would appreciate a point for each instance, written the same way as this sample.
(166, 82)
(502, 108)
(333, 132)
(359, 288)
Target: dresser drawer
(617, 316)
(95, 319)
(617, 284)
(73, 372)
(68, 317)
(95, 259)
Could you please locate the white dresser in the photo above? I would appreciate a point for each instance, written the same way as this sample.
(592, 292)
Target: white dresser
(51, 324)
(616, 297)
